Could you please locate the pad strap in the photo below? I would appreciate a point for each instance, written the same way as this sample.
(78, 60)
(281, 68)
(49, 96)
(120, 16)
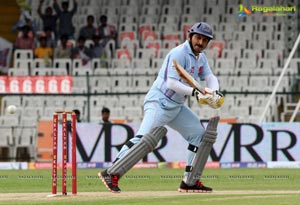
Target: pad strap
(192, 148)
(188, 168)
(129, 144)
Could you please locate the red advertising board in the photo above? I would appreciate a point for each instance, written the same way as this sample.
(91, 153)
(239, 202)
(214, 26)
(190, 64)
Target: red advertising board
(35, 84)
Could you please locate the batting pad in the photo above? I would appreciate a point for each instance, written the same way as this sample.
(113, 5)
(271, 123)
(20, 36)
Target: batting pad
(137, 152)
(203, 151)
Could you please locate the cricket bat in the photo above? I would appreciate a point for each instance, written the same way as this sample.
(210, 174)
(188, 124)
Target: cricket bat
(187, 77)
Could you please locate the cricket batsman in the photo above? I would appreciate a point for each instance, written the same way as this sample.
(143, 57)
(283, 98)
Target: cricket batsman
(164, 105)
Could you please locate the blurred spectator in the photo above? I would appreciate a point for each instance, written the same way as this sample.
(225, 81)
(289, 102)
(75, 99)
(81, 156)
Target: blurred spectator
(49, 34)
(77, 112)
(43, 51)
(89, 30)
(105, 114)
(65, 18)
(97, 50)
(49, 20)
(63, 50)
(23, 5)
(24, 41)
(25, 20)
(106, 31)
(81, 52)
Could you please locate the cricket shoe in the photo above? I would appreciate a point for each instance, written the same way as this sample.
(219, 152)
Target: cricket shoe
(198, 187)
(110, 181)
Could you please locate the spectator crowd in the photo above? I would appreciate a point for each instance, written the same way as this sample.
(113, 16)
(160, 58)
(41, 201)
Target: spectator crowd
(58, 40)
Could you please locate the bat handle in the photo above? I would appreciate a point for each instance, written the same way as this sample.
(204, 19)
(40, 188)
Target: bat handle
(200, 88)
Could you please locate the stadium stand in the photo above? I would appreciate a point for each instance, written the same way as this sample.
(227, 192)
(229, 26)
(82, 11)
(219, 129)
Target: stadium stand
(247, 56)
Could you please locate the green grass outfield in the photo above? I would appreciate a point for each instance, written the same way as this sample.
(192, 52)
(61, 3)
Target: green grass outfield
(157, 186)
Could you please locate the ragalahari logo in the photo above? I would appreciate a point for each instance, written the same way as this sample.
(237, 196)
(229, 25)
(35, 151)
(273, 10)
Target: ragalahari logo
(268, 10)
(243, 11)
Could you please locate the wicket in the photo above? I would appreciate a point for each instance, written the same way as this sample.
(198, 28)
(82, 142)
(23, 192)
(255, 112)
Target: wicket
(64, 115)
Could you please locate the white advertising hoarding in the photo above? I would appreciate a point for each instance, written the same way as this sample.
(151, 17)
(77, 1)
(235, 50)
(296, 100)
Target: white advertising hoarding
(236, 142)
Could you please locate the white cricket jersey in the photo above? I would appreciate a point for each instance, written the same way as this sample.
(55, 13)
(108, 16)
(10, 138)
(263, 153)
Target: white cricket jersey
(196, 67)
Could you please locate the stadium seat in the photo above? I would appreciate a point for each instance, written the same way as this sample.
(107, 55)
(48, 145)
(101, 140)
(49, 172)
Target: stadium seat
(245, 66)
(110, 10)
(101, 72)
(157, 63)
(24, 54)
(63, 63)
(133, 113)
(224, 66)
(153, 10)
(217, 45)
(6, 140)
(128, 27)
(190, 10)
(80, 69)
(231, 53)
(10, 121)
(79, 84)
(167, 18)
(171, 39)
(239, 112)
(128, 39)
(162, 53)
(26, 144)
(146, 19)
(167, 27)
(156, 45)
(120, 84)
(42, 63)
(129, 10)
(138, 63)
(150, 27)
(127, 101)
(42, 71)
(152, 2)
(117, 113)
(267, 63)
(171, 9)
(121, 72)
(10, 100)
(259, 83)
(128, 19)
(149, 36)
(238, 83)
(118, 63)
(212, 53)
(124, 54)
(23, 63)
(284, 86)
(142, 83)
(18, 72)
(99, 63)
(143, 72)
(184, 28)
(188, 19)
(254, 54)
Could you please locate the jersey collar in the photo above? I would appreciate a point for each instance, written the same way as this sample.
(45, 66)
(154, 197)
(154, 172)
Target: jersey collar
(189, 49)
